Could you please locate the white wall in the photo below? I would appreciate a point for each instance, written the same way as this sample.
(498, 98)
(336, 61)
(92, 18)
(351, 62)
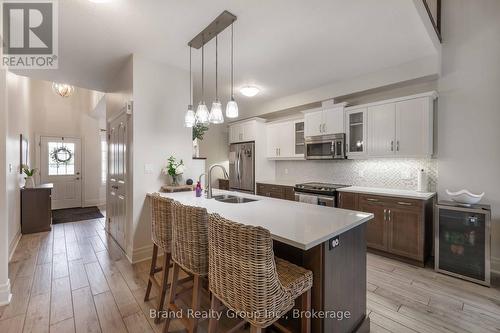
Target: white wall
(19, 122)
(5, 294)
(469, 104)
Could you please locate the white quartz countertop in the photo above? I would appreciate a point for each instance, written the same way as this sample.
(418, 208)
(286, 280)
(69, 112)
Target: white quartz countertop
(294, 223)
(389, 192)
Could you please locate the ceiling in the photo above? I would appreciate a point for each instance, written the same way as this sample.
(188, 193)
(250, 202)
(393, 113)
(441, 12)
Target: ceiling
(282, 46)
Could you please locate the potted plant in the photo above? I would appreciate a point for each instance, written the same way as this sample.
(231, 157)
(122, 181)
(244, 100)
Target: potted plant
(174, 169)
(199, 131)
(29, 181)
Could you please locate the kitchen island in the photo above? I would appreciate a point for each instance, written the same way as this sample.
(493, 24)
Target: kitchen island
(329, 241)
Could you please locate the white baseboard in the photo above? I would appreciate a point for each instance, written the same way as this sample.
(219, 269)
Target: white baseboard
(5, 295)
(13, 245)
(495, 265)
(140, 254)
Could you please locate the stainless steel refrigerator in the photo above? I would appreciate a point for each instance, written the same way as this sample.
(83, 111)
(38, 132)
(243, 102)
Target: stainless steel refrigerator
(242, 167)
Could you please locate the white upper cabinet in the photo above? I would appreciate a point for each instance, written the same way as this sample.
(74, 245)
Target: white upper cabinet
(313, 122)
(334, 120)
(281, 140)
(243, 132)
(356, 132)
(325, 121)
(381, 129)
(402, 128)
(414, 127)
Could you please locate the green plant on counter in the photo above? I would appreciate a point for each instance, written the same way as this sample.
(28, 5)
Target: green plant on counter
(28, 172)
(199, 131)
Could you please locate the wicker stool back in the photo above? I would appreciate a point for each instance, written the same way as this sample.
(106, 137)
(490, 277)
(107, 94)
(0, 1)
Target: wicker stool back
(242, 271)
(161, 221)
(190, 238)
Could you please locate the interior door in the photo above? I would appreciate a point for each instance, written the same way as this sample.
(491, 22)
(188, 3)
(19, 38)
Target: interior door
(117, 178)
(381, 130)
(61, 165)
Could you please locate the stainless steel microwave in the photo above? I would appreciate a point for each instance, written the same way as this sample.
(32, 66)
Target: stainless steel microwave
(325, 147)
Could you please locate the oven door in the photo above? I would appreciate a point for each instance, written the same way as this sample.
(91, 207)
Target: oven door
(322, 200)
(317, 149)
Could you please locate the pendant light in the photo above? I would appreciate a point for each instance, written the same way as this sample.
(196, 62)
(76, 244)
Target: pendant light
(232, 106)
(63, 89)
(202, 110)
(190, 118)
(216, 116)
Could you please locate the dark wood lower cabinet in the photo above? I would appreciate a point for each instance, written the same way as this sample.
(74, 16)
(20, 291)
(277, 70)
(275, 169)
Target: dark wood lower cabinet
(276, 191)
(401, 228)
(36, 209)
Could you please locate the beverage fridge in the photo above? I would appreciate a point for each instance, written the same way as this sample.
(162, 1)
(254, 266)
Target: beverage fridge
(242, 167)
(463, 241)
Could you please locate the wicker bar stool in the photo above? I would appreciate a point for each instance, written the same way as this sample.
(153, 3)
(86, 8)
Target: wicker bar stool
(189, 253)
(161, 235)
(248, 279)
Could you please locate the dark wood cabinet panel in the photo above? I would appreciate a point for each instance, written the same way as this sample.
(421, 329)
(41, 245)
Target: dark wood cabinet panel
(224, 184)
(36, 209)
(348, 200)
(376, 233)
(276, 191)
(406, 233)
(401, 228)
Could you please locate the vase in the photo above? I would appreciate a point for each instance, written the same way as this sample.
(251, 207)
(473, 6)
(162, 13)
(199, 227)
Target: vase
(175, 181)
(196, 148)
(30, 182)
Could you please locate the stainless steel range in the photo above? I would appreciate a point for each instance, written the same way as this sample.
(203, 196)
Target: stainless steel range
(322, 194)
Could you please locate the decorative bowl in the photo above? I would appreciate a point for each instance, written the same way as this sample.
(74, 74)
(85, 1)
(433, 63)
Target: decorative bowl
(465, 197)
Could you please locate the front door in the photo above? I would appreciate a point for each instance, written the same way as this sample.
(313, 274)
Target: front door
(61, 165)
(117, 178)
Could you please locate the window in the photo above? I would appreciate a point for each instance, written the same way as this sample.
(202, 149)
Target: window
(104, 158)
(61, 159)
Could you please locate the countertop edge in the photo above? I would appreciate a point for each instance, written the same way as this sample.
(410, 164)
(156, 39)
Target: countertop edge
(380, 191)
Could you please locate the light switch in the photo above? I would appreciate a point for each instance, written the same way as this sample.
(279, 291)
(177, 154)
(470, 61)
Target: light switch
(148, 169)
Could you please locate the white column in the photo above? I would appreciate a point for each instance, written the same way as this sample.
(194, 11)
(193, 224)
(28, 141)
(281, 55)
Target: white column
(5, 294)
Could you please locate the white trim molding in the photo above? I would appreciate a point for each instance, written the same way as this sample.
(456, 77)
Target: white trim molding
(141, 254)
(13, 245)
(5, 295)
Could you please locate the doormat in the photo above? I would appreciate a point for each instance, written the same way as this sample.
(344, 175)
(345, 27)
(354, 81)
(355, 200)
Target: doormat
(75, 214)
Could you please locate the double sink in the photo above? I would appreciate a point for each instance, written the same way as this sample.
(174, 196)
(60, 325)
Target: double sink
(227, 198)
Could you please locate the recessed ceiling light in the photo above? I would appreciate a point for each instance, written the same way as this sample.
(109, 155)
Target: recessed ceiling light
(249, 91)
(99, 1)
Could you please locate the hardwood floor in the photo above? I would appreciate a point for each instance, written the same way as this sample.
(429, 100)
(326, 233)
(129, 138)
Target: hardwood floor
(76, 279)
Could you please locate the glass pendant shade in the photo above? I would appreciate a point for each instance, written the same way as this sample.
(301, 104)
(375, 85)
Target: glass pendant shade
(216, 116)
(202, 114)
(62, 89)
(190, 117)
(232, 109)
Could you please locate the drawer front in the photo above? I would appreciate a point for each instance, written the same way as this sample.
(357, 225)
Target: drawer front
(400, 203)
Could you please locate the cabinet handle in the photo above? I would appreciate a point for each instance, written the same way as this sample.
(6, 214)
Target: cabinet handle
(371, 199)
(324, 127)
(404, 203)
(389, 215)
(392, 145)
(397, 145)
(320, 125)
(385, 214)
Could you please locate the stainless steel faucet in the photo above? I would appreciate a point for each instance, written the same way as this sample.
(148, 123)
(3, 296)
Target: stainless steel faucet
(209, 178)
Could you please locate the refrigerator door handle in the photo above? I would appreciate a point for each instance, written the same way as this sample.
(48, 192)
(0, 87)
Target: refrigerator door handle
(238, 175)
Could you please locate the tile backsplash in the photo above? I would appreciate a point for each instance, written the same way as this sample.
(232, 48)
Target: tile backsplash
(388, 173)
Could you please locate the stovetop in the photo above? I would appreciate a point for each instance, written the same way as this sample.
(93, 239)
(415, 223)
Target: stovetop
(319, 188)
